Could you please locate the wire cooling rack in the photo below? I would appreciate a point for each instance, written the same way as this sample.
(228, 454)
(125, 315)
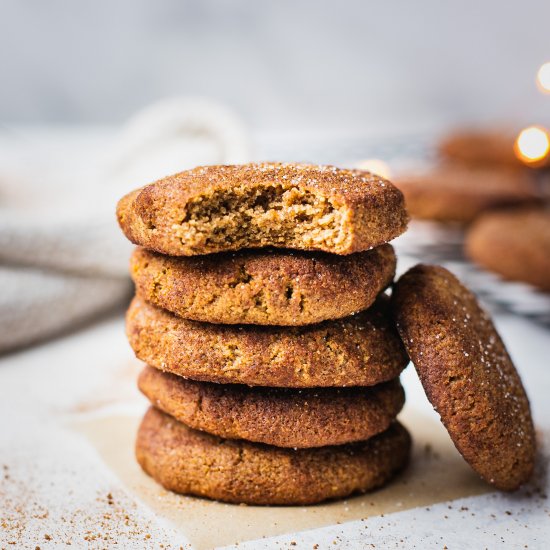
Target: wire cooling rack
(429, 242)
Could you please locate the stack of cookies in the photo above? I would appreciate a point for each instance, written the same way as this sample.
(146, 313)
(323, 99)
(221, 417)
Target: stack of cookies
(273, 362)
(274, 354)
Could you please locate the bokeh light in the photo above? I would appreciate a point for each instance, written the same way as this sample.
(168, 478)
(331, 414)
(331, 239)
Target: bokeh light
(376, 166)
(543, 78)
(532, 145)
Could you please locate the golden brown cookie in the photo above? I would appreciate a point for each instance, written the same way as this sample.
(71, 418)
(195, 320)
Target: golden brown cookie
(452, 192)
(221, 208)
(361, 350)
(467, 374)
(192, 462)
(276, 416)
(263, 287)
(477, 146)
(513, 243)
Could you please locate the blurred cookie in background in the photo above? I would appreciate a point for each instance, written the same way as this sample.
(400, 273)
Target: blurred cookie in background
(513, 243)
(453, 192)
(480, 147)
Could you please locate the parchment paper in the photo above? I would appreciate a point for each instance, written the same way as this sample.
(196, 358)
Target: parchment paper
(437, 473)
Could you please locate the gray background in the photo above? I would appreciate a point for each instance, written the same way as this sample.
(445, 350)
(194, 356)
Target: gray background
(345, 64)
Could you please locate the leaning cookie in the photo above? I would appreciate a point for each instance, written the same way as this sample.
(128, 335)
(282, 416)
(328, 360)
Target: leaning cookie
(467, 374)
(456, 193)
(221, 208)
(263, 287)
(361, 350)
(513, 243)
(241, 472)
(276, 416)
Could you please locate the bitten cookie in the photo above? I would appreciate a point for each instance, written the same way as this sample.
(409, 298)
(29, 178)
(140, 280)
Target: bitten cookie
(467, 374)
(514, 244)
(452, 192)
(361, 350)
(263, 287)
(192, 462)
(220, 208)
(276, 416)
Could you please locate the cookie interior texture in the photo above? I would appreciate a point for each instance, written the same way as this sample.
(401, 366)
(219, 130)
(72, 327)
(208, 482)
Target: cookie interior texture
(275, 416)
(467, 374)
(263, 286)
(262, 214)
(192, 462)
(217, 208)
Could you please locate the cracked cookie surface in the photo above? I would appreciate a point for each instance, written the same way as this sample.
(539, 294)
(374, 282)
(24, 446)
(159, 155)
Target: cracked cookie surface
(263, 287)
(360, 350)
(192, 462)
(296, 418)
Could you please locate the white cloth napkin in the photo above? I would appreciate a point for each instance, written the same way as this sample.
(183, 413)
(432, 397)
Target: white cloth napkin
(63, 258)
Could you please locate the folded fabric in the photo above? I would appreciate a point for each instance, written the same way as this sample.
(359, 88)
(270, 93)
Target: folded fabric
(36, 304)
(62, 257)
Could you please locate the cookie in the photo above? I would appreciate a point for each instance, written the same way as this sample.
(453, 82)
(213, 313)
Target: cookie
(191, 462)
(467, 374)
(276, 416)
(361, 350)
(513, 243)
(480, 147)
(263, 287)
(221, 208)
(455, 193)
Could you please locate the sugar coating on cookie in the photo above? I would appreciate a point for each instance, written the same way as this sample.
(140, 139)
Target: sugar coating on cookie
(456, 193)
(467, 374)
(263, 287)
(192, 462)
(513, 243)
(297, 418)
(219, 208)
(361, 350)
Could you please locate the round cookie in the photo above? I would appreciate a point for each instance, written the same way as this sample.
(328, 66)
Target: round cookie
(220, 208)
(361, 350)
(276, 416)
(480, 147)
(513, 243)
(192, 462)
(456, 193)
(467, 374)
(263, 287)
